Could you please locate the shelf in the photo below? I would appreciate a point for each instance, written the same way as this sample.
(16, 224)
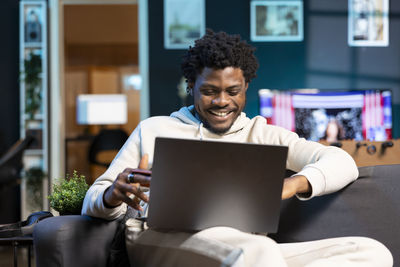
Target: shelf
(33, 152)
(36, 117)
(38, 154)
(33, 45)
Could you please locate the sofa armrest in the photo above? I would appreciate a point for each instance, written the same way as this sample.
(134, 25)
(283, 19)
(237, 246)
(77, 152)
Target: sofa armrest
(74, 241)
(368, 207)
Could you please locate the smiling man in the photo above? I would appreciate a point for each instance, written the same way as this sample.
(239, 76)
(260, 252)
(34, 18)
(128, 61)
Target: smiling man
(219, 97)
(219, 69)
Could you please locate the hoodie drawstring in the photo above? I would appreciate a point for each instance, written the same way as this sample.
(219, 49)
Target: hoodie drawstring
(201, 130)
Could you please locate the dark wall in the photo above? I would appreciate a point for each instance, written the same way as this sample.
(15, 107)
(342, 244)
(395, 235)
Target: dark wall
(164, 72)
(323, 60)
(9, 72)
(9, 98)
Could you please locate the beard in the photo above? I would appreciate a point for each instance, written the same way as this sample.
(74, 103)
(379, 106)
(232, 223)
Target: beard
(218, 130)
(213, 129)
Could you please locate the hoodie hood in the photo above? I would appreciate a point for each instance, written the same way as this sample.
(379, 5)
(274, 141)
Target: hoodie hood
(185, 114)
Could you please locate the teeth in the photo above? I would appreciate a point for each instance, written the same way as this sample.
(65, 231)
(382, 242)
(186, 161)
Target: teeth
(219, 114)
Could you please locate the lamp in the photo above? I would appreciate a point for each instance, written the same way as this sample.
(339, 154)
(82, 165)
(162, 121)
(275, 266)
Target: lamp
(101, 109)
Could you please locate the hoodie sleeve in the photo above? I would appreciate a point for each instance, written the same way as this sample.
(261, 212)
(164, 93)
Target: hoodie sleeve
(128, 156)
(327, 168)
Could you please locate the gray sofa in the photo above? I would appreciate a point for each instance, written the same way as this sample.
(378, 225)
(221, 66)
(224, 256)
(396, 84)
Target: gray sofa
(368, 207)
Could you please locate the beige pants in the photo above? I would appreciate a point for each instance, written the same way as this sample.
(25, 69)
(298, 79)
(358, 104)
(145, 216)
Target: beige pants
(224, 246)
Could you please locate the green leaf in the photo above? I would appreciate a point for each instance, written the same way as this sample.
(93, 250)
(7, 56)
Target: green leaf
(69, 193)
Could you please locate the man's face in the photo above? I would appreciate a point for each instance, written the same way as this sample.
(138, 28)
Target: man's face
(219, 97)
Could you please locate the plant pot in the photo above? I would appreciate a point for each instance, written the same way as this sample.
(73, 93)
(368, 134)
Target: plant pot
(64, 213)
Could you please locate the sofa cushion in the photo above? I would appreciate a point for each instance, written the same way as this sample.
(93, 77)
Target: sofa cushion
(369, 207)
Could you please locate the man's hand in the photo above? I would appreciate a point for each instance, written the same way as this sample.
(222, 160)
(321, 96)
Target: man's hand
(295, 185)
(122, 190)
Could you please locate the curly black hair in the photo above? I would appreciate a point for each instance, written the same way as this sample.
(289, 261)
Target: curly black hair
(218, 51)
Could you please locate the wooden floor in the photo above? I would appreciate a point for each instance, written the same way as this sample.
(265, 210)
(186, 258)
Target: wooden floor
(7, 257)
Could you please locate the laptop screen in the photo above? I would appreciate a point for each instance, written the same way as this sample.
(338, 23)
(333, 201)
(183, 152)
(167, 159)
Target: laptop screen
(201, 184)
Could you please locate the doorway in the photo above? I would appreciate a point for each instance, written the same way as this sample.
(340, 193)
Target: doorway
(101, 58)
(98, 49)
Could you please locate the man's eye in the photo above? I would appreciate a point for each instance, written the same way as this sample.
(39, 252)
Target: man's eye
(207, 92)
(234, 92)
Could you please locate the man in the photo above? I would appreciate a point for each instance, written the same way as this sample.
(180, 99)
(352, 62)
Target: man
(218, 70)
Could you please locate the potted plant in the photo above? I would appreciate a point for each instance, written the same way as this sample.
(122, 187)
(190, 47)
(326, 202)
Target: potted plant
(67, 197)
(32, 79)
(34, 183)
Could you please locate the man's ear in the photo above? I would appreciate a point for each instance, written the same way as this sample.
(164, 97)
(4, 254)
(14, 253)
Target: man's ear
(246, 86)
(189, 88)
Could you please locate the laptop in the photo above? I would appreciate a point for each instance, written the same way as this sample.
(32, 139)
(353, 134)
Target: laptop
(200, 184)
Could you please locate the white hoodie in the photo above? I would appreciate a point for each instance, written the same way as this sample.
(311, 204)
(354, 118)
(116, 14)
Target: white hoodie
(327, 168)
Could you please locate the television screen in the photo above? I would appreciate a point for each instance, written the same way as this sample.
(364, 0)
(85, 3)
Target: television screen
(101, 109)
(330, 115)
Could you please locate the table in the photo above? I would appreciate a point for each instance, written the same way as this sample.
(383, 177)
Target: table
(18, 241)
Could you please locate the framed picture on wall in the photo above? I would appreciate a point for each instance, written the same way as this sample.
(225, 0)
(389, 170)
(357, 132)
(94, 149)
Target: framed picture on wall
(276, 21)
(184, 22)
(368, 23)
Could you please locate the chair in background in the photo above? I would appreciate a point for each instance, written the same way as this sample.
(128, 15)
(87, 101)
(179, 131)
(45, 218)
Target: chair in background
(103, 149)
(11, 162)
(10, 176)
